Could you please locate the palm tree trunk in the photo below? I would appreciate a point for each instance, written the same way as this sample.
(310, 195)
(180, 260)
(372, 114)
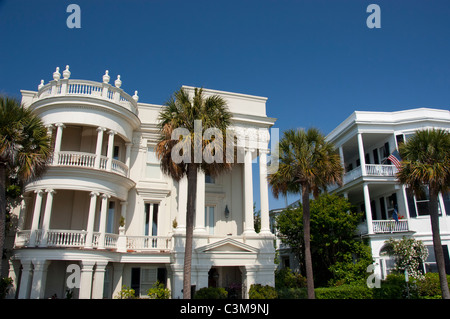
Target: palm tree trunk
(190, 213)
(307, 239)
(2, 212)
(438, 251)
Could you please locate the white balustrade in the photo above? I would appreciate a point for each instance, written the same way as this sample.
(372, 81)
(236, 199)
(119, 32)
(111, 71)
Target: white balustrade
(80, 159)
(149, 243)
(381, 170)
(389, 226)
(88, 88)
(66, 238)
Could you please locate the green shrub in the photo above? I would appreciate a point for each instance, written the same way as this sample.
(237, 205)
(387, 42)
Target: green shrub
(258, 291)
(430, 287)
(159, 291)
(211, 293)
(286, 278)
(292, 293)
(344, 292)
(126, 293)
(5, 285)
(395, 287)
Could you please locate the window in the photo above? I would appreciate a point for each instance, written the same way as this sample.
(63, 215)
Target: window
(209, 179)
(116, 153)
(391, 205)
(151, 219)
(418, 203)
(446, 198)
(110, 225)
(209, 219)
(152, 168)
(142, 279)
(384, 154)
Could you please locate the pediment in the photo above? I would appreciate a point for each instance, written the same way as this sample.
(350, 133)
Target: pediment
(227, 245)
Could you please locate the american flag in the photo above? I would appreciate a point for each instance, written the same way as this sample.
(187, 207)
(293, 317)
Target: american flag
(395, 158)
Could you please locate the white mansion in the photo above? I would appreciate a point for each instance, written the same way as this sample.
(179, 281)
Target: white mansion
(105, 208)
(365, 140)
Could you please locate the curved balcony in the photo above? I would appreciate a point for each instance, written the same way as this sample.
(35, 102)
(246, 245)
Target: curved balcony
(88, 160)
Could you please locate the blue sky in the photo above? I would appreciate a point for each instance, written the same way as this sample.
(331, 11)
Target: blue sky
(316, 61)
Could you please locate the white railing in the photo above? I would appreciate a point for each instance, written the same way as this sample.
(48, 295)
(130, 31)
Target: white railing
(77, 238)
(76, 159)
(105, 91)
(389, 226)
(381, 170)
(119, 167)
(66, 238)
(149, 243)
(80, 159)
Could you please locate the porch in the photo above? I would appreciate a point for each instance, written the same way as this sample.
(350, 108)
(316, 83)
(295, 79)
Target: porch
(58, 238)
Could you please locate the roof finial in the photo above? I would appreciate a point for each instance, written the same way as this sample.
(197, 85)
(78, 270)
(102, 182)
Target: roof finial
(56, 74)
(118, 83)
(106, 77)
(135, 96)
(66, 72)
(41, 85)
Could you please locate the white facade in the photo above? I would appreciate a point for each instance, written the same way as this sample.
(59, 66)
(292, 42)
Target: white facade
(104, 205)
(365, 140)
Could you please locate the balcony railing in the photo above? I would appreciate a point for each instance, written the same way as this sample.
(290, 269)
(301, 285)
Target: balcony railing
(390, 226)
(73, 87)
(77, 238)
(87, 160)
(371, 170)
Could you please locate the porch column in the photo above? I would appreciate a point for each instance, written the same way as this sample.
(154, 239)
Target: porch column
(103, 219)
(110, 149)
(368, 208)
(182, 204)
(249, 227)
(25, 279)
(58, 139)
(36, 217)
(200, 204)
(99, 280)
(117, 278)
(264, 193)
(341, 156)
(87, 268)
(91, 219)
(47, 217)
(128, 156)
(39, 279)
(98, 147)
(362, 156)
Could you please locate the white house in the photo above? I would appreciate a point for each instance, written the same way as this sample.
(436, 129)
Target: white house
(104, 207)
(365, 140)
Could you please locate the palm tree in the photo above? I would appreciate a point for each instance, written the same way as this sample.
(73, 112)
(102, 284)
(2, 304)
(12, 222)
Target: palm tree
(307, 163)
(426, 162)
(24, 150)
(182, 112)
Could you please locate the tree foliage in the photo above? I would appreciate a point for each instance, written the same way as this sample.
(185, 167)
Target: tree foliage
(337, 256)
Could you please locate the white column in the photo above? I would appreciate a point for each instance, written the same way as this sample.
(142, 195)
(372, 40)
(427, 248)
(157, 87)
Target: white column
(25, 279)
(362, 156)
(39, 279)
(117, 278)
(58, 139)
(103, 219)
(341, 156)
(128, 156)
(182, 204)
(249, 227)
(110, 149)
(264, 193)
(98, 147)
(99, 280)
(91, 219)
(36, 216)
(200, 204)
(87, 268)
(47, 217)
(368, 208)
